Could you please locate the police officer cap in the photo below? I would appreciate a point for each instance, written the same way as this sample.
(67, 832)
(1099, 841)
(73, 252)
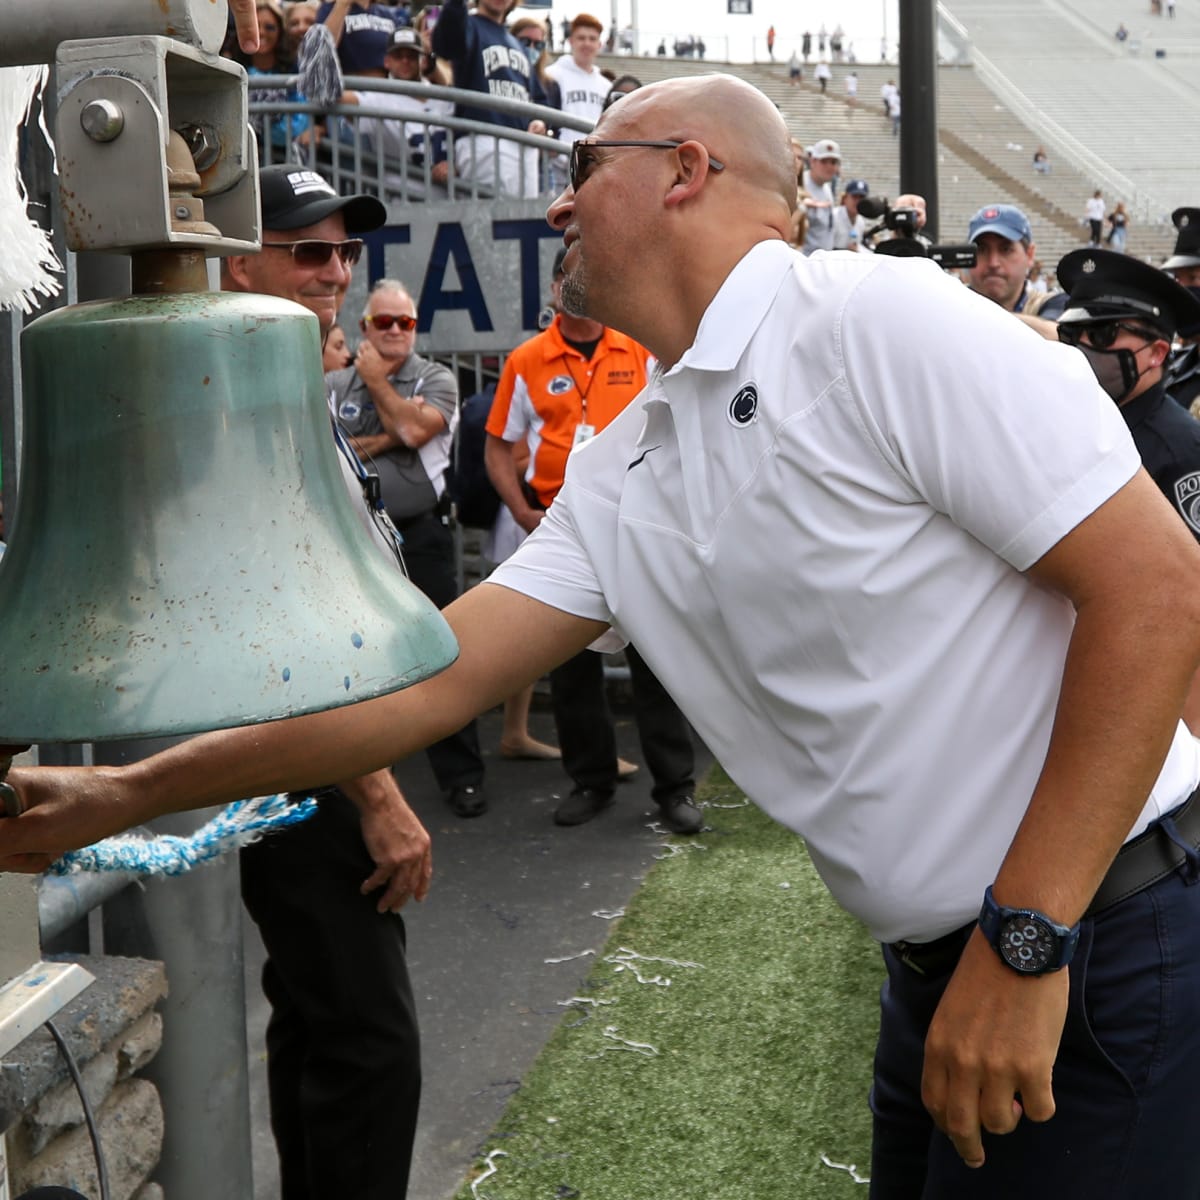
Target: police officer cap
(1187, 244)
(1106, 286)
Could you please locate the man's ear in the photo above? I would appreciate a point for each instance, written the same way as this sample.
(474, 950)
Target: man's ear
(693, 171)
(235, 269)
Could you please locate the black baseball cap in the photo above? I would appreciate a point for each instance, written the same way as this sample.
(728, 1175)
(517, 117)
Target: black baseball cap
(293, 196)
(1107, 286)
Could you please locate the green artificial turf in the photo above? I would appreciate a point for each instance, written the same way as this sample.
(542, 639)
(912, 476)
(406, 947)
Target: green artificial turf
(761, 1054)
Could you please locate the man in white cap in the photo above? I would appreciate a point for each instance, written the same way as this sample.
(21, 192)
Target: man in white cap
(824, 165)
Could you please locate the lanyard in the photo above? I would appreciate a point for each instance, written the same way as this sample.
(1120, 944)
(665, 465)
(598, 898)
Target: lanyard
(583, 392)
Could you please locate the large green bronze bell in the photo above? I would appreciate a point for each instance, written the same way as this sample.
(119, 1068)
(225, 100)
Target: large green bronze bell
(186, 555)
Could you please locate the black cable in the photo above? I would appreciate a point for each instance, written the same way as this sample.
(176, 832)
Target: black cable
(88, 1115)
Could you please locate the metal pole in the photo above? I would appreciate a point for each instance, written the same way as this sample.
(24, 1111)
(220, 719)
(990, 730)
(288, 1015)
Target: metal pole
(31, 30)
(918, 91)
(193, 925)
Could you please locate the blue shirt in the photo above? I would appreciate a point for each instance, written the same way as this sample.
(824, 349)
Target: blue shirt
(365, 34)
(486, 58)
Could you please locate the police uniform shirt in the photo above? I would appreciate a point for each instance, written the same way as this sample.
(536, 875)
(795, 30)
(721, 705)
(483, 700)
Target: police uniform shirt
(1168, 439)
(814, 528)
(1183, 375)
(411, 481)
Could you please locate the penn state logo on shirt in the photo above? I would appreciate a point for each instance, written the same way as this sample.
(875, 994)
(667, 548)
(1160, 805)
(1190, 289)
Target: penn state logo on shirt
(1187, 499)
(348, 410)
(560, 385)
(743, 408)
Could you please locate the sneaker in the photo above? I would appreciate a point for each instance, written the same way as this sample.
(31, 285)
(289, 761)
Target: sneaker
(680, 814)
(626, 770)
(467, 800)
(582, 805)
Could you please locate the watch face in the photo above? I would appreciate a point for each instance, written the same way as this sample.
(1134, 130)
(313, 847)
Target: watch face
(1027, 944)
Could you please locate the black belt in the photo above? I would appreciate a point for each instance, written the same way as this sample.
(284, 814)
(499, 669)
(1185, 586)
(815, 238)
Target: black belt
(1139, 864)
(1149, 857)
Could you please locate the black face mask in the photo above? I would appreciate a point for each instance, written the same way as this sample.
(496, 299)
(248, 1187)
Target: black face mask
(1116, 370)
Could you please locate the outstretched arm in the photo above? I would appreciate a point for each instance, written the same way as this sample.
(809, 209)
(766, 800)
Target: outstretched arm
(71, 807)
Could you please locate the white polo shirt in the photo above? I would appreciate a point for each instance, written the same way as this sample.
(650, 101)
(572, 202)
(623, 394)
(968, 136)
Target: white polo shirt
(813, 528)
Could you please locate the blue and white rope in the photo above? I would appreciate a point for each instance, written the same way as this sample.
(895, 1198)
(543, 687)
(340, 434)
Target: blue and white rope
(236, 825)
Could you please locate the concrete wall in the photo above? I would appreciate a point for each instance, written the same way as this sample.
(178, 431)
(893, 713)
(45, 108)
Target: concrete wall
(113, 1032)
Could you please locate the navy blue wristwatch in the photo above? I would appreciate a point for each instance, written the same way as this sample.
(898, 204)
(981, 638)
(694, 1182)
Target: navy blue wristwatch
(1028, 941)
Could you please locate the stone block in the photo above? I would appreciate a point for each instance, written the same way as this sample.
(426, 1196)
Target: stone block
(125, 989)
(130, 1124)
(150, 1192)
(140, 1044)
(60, 1108)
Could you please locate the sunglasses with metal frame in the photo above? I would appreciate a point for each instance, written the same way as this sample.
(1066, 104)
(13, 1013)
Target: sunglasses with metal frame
(385, 321)
(583, 157)
(1102, 334)
(311, 252)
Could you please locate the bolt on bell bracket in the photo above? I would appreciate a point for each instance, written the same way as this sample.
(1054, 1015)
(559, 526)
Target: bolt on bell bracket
(131, 112)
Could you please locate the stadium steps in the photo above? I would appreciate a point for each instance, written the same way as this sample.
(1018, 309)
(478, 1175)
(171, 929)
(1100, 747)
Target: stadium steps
(985, 150)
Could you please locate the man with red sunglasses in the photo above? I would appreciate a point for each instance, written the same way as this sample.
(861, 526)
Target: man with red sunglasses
(343, 1049)
(400, 409)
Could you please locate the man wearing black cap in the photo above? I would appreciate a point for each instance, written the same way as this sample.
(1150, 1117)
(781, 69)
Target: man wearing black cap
(558, 390)
(1183, 367)
(343, 1052)
(1123, 314)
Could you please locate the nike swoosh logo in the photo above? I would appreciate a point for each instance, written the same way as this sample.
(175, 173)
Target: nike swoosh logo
(640, 457)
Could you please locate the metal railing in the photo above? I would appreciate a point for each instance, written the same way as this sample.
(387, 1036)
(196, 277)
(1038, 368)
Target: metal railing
(346, 148)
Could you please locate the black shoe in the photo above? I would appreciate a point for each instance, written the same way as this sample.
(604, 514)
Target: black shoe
(681, 815)
(467, 800)
(582, 805)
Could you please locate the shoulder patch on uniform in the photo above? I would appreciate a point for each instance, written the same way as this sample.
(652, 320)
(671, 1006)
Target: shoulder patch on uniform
(743, 408)
(348, 410)
(1187, 499)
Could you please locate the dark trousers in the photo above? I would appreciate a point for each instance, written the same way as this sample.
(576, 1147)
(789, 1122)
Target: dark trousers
(1125, 1080)
(589, 742)
(1096, 230)
(429, 557)
(343, 1052)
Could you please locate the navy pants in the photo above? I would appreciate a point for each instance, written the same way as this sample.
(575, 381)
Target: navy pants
(343, 1052)
(429, 560)
(584, 724)
(1126, 1081)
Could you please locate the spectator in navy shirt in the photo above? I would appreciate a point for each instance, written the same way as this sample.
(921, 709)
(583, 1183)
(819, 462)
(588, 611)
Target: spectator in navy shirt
(486, 58)
(362, 33)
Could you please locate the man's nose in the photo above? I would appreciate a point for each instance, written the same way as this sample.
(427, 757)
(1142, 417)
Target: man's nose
(560, 210)
(336, 271)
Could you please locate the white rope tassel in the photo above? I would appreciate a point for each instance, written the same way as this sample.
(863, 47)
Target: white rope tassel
(28, 263)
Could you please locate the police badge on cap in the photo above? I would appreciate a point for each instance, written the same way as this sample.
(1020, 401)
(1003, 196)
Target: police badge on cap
(1107, 286)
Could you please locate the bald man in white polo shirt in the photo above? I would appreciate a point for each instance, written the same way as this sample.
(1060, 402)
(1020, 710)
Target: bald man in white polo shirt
(895, 558)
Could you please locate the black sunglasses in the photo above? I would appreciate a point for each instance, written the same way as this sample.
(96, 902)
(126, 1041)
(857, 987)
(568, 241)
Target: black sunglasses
(311, 253)
(583, 158)
(1102, 335)
(386, 321)
(534, 45)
